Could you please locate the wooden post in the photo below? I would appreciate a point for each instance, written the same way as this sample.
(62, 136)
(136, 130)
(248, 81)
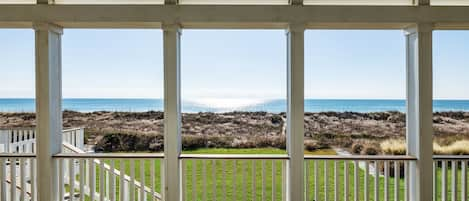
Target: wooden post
(295, 112)
(48, 107)
(419, 111)
(172, 111)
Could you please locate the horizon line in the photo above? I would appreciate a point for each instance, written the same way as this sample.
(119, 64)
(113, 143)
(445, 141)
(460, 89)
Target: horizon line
(267, 99)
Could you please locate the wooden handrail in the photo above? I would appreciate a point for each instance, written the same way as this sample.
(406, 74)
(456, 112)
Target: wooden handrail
(110, 155)
(362, 157)
(236, 156)
(17, 155)
(450, 157)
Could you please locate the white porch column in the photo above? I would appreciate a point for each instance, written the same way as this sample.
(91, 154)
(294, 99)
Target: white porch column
(295, 112)
(172, 111)
(419, 110)
(48, 107)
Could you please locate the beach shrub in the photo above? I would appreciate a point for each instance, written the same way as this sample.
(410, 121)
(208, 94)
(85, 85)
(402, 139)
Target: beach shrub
(370, 149)
(357, 148)
(219, 142)
(191, 142)
(121, 141)
(311, 145)
(393, 147)
(276, 119)
(456, 148)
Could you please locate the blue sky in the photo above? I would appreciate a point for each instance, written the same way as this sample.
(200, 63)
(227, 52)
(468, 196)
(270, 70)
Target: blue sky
(234, 64)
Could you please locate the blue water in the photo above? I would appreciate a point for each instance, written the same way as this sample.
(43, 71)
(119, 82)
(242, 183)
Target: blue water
(311, 105)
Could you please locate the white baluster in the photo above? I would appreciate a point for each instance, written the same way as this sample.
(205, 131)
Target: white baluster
(336, 182)
(194, 180)
(464, 180)
(444, 179)
(454, 180)
(396, 180)
(306, 180)
(386, 180)
(346, 181)
(356, 184)
(3, 183)
(132, 180)
(122, 181)
(274, 185)
(32, 172)
(376, 180)
(204, 177)
(263, 181)
(366, 192)
(82, 179)
(23, 179)
(92, 179)
(112, 185)
(435, 180)
(142, 180)
(102, 194)
(214, 180)
(61, 186)
(316, 180)
(326, 177)
(244, 189)
(71, 178)
(152, 179)
(223, 166)
(253, 192)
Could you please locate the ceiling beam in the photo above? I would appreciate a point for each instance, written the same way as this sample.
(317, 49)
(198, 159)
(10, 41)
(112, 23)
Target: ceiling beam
(211, 16)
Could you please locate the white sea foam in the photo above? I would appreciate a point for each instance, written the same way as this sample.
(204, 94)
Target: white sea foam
(226, 103)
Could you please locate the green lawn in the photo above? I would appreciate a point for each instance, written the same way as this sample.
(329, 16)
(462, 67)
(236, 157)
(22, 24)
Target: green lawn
(237, 179)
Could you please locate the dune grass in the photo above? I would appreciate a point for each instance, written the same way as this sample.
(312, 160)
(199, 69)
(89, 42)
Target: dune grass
(398, 147)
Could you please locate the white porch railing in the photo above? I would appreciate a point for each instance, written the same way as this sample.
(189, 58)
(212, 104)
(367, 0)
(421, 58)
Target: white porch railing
(23, 140)
(233, 177)
(103, 177)
(17, 177)
(453, 185)
(129, 177)
(357, 178)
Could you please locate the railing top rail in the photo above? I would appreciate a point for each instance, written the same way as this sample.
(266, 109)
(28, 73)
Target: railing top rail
(71, 129)
(110, 155)
(236, 156)
(33, 128)
(450, 157)
(17, 128)
(361, 157)
(17, 155)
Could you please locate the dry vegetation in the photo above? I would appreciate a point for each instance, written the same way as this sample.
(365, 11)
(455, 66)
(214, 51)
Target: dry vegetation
(361, 133)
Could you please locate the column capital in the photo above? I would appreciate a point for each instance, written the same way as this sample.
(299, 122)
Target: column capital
(420, 27)
(46, 26)
(171, 26)
(296, 27)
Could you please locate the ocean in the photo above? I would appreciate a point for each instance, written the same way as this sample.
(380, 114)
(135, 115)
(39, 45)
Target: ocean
(311, 105)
